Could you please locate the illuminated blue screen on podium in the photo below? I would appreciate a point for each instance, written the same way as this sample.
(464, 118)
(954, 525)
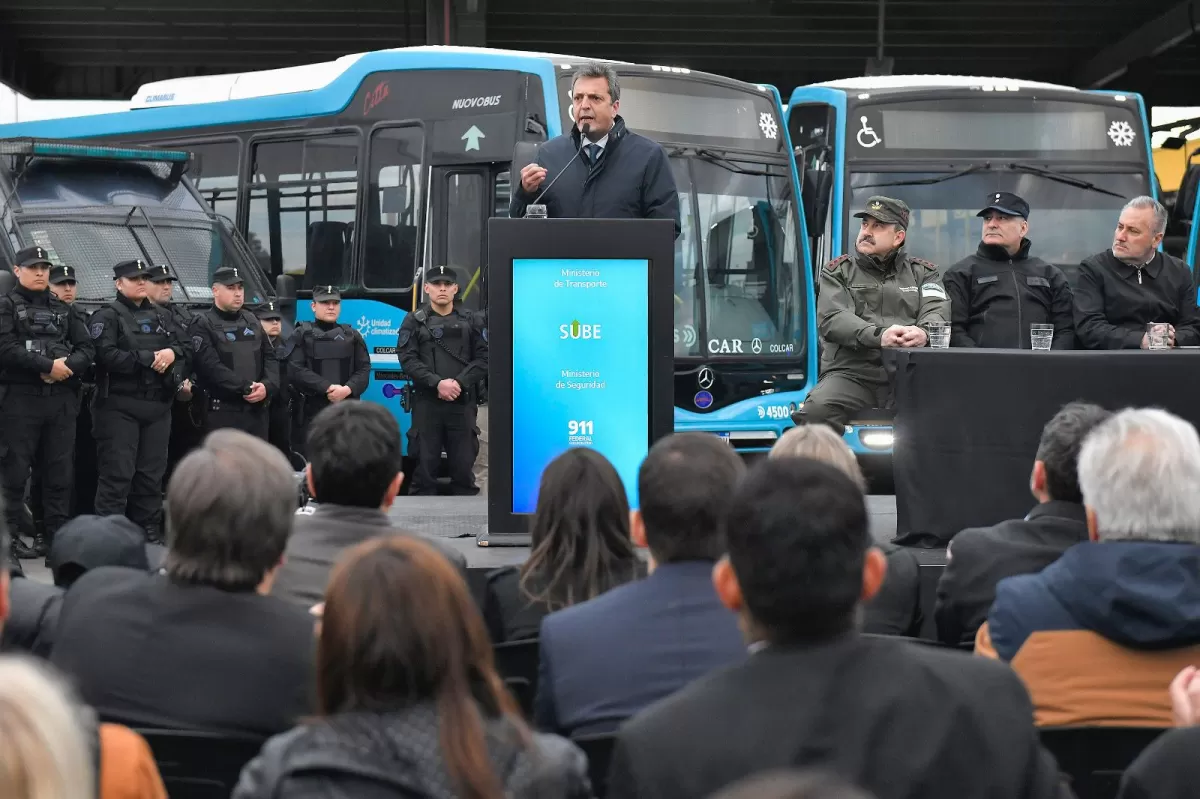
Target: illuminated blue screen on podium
(581, 372)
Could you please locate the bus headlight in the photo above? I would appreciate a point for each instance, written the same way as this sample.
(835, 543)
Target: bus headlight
(877, 439)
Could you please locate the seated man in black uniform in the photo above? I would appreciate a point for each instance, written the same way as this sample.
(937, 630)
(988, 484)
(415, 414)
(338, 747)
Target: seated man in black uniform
(997, 293)
(1122, 290)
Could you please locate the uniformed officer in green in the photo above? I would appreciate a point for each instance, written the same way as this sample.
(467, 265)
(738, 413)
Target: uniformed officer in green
(878, 297)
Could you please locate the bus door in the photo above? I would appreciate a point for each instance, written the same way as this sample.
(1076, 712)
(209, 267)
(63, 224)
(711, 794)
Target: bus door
(463, 198)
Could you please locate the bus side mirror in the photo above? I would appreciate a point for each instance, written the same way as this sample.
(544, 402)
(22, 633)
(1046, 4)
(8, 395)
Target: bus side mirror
(817, 188)
(285, 290)
(524, 154)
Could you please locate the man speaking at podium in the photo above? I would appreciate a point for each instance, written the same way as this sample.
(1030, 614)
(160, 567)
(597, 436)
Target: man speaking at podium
(600, 170)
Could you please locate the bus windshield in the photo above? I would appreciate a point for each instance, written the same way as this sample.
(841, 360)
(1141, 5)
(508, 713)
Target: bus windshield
(1067, 223)
(737, 260)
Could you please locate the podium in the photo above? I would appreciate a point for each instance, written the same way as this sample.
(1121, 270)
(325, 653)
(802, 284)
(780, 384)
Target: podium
(580, 336)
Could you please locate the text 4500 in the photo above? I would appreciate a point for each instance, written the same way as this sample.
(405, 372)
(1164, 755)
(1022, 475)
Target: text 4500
(774, 412)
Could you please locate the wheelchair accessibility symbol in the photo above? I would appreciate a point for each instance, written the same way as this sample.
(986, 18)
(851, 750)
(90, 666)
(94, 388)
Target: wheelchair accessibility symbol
(867, 137)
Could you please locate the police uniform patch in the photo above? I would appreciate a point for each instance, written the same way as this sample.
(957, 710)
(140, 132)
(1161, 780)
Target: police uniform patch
(197, 342)
(933, 290)
(248, 332)
(230, 335)
(484, 334)
(96, 330)
(437, 332)
(405, 335)
(146, 327)
(836, 262)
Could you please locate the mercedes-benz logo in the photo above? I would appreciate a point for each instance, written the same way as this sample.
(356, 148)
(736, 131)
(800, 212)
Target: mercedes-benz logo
(706, 378)
(756, 346)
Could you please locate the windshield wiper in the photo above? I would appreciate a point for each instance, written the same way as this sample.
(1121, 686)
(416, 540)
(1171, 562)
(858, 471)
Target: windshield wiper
(1060, 177)
(717, 159)
(930, 181)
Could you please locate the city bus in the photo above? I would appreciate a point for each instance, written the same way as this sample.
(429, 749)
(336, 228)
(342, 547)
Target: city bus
(365, 171)
(942, 144)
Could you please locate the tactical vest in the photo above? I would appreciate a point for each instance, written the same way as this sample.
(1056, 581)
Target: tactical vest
(42, 329)
(141, 329)
(239, 344)
(330, 352)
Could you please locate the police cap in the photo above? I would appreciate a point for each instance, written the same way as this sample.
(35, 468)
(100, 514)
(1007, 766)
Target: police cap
(887, 210)
(32, 256)
(132, 268)
(326, 294)
(228, 276)
(62, 274)
(268, 310)
(441, 274)
(1007, 204)
(160, 274)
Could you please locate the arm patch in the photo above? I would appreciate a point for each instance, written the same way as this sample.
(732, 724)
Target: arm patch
(833, 265)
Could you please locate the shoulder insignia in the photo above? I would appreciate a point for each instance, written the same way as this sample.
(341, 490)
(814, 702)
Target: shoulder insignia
(929, 265)
(836, 262)
(96, 330)
(197, 343)
(405, 335)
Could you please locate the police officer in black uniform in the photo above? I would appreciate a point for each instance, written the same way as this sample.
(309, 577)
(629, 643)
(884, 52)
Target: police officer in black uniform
(186, 413)
(445, 356)
(329, 360)
(141, 360)
(43, 346)
(279, 412)
(235, 363)
(64, 285)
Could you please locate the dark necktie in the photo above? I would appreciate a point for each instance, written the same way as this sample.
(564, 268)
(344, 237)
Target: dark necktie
(593, 153)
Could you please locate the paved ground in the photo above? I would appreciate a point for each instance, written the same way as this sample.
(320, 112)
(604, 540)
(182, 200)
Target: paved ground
(462, 518)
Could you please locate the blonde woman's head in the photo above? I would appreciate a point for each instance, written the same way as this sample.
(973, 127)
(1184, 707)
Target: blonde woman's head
(43, 754)
(819, 443)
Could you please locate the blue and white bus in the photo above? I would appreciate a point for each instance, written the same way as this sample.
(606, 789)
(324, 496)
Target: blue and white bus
(364, 171)
(942, 143)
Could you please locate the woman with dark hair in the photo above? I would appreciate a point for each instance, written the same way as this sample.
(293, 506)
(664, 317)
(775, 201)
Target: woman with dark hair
(409, 702)
(581, 547)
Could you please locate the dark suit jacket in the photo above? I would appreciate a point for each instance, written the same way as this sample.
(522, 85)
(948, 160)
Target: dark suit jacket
(145, 650)
(606, 659)
(511, 615)
(896, 609)
(1166, 769)
(319, 538)
(903, 720)
(980, 557)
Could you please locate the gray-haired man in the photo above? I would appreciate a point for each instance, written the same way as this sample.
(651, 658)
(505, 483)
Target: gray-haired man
(1124, 289)
(610, 172)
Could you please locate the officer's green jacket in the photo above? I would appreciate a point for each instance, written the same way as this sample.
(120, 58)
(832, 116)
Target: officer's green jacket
(862, 296)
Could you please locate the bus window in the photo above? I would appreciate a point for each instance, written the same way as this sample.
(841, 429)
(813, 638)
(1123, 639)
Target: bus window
(464, 234)
(214, 172)
(394, 216)
(302, 203)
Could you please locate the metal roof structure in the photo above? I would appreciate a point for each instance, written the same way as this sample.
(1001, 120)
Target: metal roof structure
(106, 49)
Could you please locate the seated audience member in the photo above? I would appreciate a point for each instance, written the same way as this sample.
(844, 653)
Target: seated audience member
(899, 719)
(980, 557)
(44, 732)
(1123, 289)
(896, 609)
(1168, 769)
(997, 293)
(354, 475)
(82, 544)
(791, 784)
(202, 646)
(604, 660)
(409, 702)
(580, 547)
(1098, 632)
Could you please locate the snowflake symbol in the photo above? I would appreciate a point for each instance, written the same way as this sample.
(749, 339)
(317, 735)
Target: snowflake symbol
(1121, 133)
(767, 123)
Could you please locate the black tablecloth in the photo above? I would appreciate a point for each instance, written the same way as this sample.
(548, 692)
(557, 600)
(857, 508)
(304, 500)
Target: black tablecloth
(968, 422)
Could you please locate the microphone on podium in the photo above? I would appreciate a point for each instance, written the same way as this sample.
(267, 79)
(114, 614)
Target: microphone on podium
(536, 211)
